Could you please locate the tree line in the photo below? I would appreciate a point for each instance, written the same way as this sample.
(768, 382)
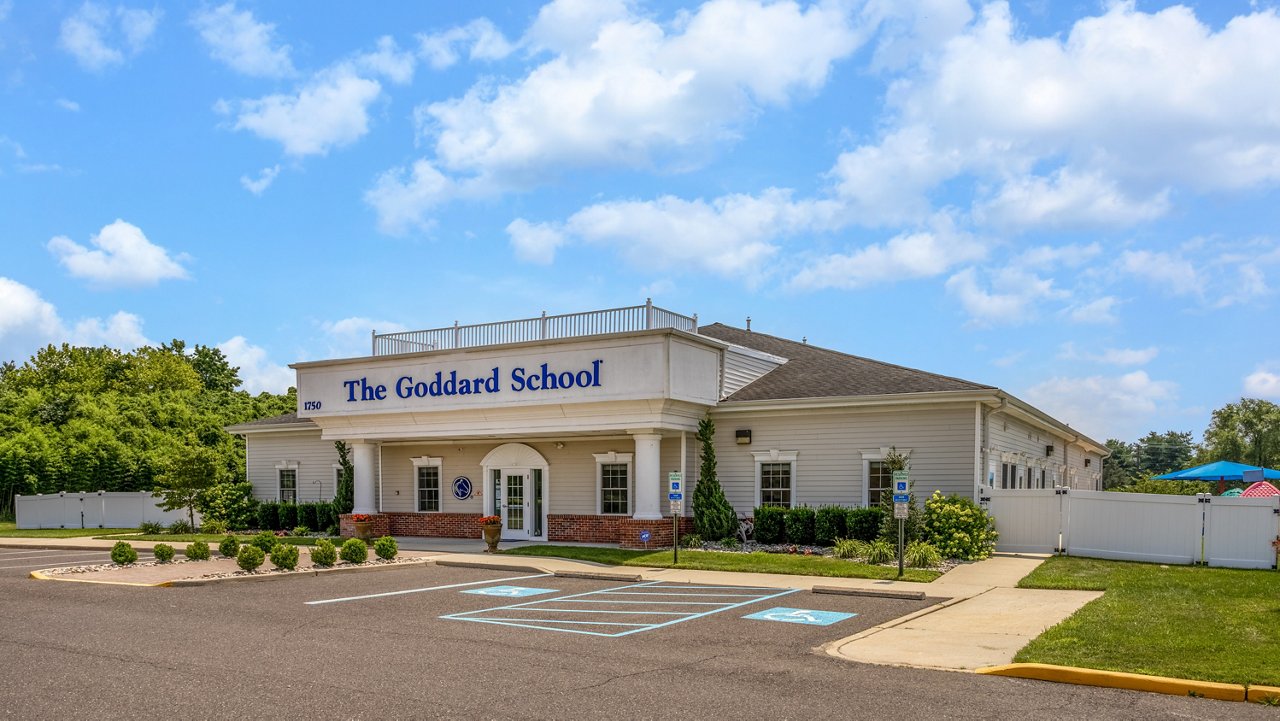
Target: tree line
(1246, 432)
(88, 419)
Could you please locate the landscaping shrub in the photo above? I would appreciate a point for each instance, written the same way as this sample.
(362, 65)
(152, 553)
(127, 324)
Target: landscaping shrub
(730, 543)
(691, 540)
(323, 553)
(213, 527)
(181, 527)
(250, 557)
(880, 551)
(326, 515)
(288, 516)
(1166, 487)
(299, 531)
(958, 527)
(770, 524)
(921, 554)
(151, 528)
(863, 524)
(285, 556)
(334, 531)
(198, 551)
(307, 515)
(229, 503)
(828, 525)
(269, 516)
(799, 524)
(229, 546)
(385, 548)
(913, 529)
(163, 552)
(122, 554)
(266, 540)
(850, 548)
(354, 551)
(713, 516)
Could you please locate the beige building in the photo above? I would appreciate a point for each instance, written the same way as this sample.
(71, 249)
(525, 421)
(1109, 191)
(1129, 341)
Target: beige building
(568, 427)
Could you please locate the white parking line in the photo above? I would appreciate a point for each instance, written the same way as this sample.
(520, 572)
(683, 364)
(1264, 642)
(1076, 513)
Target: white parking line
(6, 559)
(420, 590)
(64, 564)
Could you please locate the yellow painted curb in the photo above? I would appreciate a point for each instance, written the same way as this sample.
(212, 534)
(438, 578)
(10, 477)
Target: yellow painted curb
(59, 577)
(1117, 679)
(1260, 694)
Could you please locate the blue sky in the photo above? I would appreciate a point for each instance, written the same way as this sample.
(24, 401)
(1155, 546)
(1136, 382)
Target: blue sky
(1074, 201)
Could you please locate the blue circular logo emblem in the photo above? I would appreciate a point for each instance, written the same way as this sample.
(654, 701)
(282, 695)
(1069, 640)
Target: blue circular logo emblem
(462, 488)
(645, 536)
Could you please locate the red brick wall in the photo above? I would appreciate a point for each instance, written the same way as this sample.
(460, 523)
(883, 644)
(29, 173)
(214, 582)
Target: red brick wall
(449, 525)
(583, 529)
(560, 527)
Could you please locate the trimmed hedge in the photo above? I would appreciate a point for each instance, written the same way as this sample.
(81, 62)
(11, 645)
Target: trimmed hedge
(800, 526)
(269, 516)
(863, 524)
(354, 551)
(323, 553)
(326, 516)
(386, 548)
(285, 556)
(829, 525)
(287, 516)
(308, 515)
(250, 557)
(163, 552)
(122, 554)
(197, 551)
(770, 524)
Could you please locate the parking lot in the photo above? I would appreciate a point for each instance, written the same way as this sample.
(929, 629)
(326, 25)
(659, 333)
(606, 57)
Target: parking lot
(433, 641)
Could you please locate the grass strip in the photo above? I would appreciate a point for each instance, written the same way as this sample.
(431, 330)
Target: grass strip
(214, 539)
(758, 562)
(9, 529)
(1207, 624)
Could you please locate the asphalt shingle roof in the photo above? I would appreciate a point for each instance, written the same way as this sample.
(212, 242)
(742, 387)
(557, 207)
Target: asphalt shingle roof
(813, 372)
(280, 420)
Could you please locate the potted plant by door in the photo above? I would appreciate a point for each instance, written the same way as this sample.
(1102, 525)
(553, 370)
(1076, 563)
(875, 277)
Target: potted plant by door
(364, 526)
(491, 528)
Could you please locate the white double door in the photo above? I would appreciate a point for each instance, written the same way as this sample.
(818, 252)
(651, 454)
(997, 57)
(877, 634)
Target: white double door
(517, 495)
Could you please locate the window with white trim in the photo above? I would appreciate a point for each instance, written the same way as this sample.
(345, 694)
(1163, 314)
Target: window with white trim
(288, 479)
(426, 484)
(879, 481)
(775, 478)
(613, 483)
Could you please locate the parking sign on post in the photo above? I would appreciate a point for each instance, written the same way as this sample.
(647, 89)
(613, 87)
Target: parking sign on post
(675, 497)
(901, 508)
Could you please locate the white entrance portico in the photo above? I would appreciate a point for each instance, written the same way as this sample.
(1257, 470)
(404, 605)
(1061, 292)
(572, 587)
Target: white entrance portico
(518, 479)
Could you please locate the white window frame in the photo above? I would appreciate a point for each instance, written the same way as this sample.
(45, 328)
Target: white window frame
(337, 476)
(613, 457)
(875, 454)
(773, 455)
(287, 466)
(428, 462)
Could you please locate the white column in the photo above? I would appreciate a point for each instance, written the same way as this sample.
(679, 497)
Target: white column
(648, 482)
(364, 462)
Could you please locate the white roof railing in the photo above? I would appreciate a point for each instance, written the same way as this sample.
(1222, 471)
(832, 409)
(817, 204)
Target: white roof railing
(544, 327)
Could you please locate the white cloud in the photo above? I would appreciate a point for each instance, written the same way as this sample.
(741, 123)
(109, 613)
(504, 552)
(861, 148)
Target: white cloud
(1262, 383)
(534, 243)
(264, 180)
(485, 42)
(1098, 311)
(1015, 303)
(1106, 406)
(99, 38)
(908, 30)
(350, 337)
(257, 372)
(331, 110)
(1171, 271)
(388, 61)
(1092, 127)
(620, 90)
(1050, 257)
(121, 256)
(69, 105)
(5, 8)
(1112, 356)
(28, 322)
(921, 254)
(238, 40)
(401, 198)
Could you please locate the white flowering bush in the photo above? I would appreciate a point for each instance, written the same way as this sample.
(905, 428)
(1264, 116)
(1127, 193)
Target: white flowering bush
(958, 527)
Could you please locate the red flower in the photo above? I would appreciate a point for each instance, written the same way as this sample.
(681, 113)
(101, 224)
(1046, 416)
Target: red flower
(489, 520)
(361, 518)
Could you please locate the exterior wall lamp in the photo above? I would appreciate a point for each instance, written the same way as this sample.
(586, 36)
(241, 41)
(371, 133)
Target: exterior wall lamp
(742, 436)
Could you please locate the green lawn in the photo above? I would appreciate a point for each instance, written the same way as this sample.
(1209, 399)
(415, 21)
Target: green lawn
(9, 529)
(214, 539)
(1209, 624)
(715, 561)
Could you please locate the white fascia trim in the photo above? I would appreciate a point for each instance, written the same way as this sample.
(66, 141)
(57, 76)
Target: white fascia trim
(287, 465)
(1043, 420)
(753, 353)
(300, 426)
(427, 462)
(891, 399)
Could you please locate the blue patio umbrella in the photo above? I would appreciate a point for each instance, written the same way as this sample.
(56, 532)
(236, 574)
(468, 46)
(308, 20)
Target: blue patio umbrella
(1218, 471)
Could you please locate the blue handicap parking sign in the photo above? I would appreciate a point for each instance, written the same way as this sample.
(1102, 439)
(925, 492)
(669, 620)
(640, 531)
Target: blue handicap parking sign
(804, 616)
(509, 591)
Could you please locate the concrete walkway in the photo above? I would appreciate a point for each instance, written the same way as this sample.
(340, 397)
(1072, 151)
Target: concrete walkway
(981, 618)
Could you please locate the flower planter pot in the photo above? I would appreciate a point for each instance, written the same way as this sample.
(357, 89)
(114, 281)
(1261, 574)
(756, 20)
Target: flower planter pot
(492, 532)
(364, 530)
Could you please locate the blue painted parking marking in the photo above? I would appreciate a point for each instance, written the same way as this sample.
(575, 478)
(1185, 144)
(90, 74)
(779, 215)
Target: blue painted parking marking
(509, 591)
(805, 616)
(622, 611)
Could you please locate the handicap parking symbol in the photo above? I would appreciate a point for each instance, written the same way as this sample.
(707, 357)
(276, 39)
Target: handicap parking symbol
(803, 616)
(509, 591)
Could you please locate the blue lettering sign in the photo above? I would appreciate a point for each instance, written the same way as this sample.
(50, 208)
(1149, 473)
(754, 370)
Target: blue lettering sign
(544, 378)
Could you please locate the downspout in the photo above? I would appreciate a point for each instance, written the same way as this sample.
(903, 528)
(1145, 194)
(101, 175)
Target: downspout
(986, 434)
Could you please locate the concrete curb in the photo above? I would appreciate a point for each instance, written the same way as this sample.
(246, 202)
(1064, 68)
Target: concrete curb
(40, 576)
(492, 566)
(832, 648)
(872, 592)
(1117, 679)
(600, 575)
(189, 582)
(1264, 694)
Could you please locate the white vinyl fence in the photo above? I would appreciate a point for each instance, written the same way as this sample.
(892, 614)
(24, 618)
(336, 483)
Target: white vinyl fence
(1218, 531)
(93, 509)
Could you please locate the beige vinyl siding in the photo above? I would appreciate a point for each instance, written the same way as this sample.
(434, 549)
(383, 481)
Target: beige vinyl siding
(1027, 444)
(828, 442)
(315, 459)
(742, 366)
(1086, 477)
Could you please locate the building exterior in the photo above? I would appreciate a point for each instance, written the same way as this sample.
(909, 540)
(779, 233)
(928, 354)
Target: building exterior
(568, 426)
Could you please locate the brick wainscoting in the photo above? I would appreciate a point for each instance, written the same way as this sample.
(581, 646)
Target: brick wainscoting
(347, 528)
(447, 525)
(609, 529)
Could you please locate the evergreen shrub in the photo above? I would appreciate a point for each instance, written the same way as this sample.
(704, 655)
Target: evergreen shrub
(828, 525)
(163, 552)
(863, 524)
(308, 516)
(323, 553)
(285, 556)
(799, 525)
(385, 548)
(713, 516)
(269, 516)
(197, 551)
(770, 524)
(265, 541)
(287, 516)
(229, 547)
(250, 557)
(122, 554)
(354, 551)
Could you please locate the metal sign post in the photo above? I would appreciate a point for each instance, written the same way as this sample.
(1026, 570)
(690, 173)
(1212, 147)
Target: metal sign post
(675, 495)
(901, 510)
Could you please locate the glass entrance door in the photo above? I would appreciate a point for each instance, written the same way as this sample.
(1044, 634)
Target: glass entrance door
(515, 507)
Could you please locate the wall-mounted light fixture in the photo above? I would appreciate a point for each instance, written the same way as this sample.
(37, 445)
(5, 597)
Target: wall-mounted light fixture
(559, 445)
(1087, 461)
(742, 436)
(1048, 450)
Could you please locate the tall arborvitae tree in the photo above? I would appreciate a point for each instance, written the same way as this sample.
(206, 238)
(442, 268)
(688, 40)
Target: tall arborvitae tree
(713, 517)
(344, 497)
